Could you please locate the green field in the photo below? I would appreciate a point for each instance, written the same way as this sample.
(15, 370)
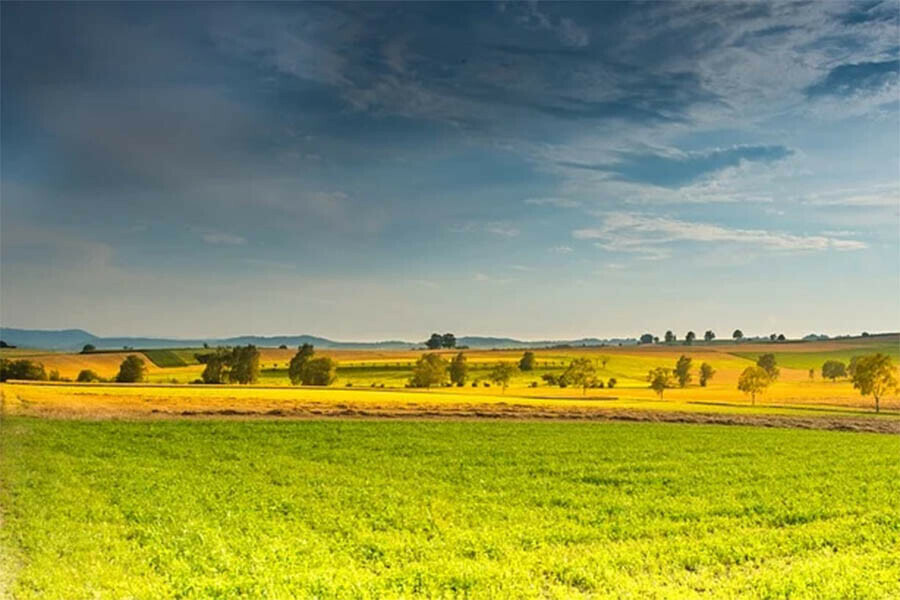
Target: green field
(814, 360)
(165, 358)
(365, 509)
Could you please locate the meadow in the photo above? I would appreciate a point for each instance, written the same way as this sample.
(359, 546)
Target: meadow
(377, 509)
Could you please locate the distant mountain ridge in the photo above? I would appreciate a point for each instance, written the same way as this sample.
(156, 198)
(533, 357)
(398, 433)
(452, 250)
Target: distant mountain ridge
(75, 339)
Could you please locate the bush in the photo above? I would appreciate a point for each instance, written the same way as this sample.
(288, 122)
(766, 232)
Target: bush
(132, 370)
(88, 348)
(320, 371)
(611, 383)
(21, 369)
(87, 376)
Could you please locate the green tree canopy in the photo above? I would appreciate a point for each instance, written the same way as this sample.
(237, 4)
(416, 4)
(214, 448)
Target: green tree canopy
(767, 363)
(874, 375)
(690, 337)
(319, 371)
(753, 381)
(132, 370)
(459, 370)
(581, 372)
(660, 378)
(706, 373)
(526, 363)
(709, 335)
(501, 373)
(298, 361)
(435, 341)
(430, 370)
(683, 370)
(832, 369)
(87, 376)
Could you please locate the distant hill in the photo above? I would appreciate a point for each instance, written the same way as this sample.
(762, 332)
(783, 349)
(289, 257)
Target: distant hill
(75, 339)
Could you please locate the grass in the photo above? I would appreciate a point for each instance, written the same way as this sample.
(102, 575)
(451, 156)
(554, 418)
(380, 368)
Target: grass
(352, 509)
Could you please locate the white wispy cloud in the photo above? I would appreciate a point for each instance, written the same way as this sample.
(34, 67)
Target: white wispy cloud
(651, 236)
(561, 249)
(558, 202)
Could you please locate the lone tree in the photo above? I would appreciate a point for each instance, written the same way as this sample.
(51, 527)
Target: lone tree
(781, 337)
(706, 373)
(435, 341)
(753, 381)
(430, 370)
(767, 363)
(319, 371)
(660, 378)
(459, 370)
(647, 338)
(683, 370)
(581, 372)
(832, 369)
(737, 335)
(709, 335)
(603, 358)
(612, 382)
(689, 338)
(670, 337)
(448, 340)
(526, 363)
(874, 375)
(88, 348)
(299, 360)
(501, 374)
(132, 370)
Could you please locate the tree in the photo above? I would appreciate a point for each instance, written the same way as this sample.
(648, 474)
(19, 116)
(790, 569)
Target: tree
(767, 363)
(603, 358)
(737, 335)
(459, 370)
(526, 363)
(88, 348)
(706, 373)
(781, 337)
(282, 347)
(21, 369)
(683, 370)
(87, 376)
(581, 372)
(501, 374)
(670, 337)
(430, 370)
(448, 340)
(689, 338)
(874, 375)
(435, 341)
(612, 382)
(832, 369)
(660, 378)
(753, 381)
(319, 371)
(772, 337)
(647, 338)
(217, 366)
(299, 360)
(132, 370)
(550, 378)
(709, 336)
(244, 364)
(812, 374)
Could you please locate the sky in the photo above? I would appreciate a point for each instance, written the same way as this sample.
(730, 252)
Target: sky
(381, 171)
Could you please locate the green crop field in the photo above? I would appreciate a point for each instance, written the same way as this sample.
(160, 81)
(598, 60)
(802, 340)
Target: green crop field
(380, 509)
(164, 358)
(814, 360)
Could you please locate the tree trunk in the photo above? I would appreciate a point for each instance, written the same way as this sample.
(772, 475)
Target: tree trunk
(877, 407)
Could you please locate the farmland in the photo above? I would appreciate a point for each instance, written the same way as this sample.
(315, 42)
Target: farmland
(167, 489)
(204, 509)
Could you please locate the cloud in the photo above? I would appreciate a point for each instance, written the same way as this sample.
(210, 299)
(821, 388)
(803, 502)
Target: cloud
(561, 250)
(558, 202)
(847, 80)
(652, 236)
(678, 169)
(501, 229)
(226, 239)
(498, 228)
(878, 195)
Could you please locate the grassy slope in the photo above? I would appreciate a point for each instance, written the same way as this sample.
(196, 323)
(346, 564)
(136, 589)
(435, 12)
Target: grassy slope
(400, 509)
(814, 360)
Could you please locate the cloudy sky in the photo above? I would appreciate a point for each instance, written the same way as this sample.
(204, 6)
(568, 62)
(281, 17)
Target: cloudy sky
(370, 171)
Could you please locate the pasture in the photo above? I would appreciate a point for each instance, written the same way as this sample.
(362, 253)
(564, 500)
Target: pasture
(356, 509)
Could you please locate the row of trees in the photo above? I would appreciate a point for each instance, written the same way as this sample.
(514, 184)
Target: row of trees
(438, 341)
(670, 337)
(661, 378)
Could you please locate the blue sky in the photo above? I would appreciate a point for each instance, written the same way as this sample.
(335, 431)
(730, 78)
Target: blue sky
(371, 171)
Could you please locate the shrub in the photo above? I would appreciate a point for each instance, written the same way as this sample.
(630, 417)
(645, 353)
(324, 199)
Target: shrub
(132, 370)
(611, 383)
(21, 369)
(87, 376)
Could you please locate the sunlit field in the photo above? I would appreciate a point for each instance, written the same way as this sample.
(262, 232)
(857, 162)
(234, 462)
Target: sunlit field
(350, 509)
